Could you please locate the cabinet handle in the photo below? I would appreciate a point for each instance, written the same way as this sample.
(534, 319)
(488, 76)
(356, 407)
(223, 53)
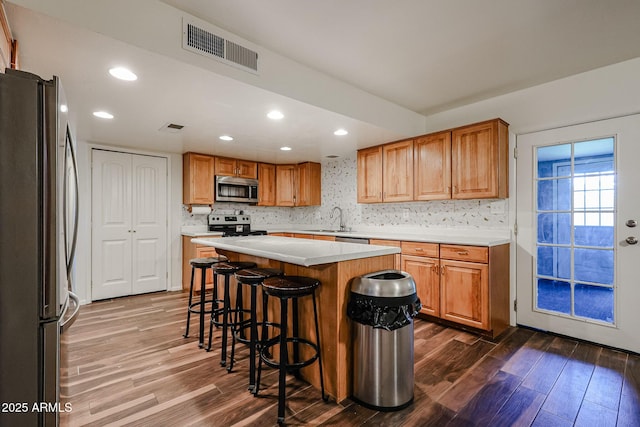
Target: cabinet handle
(442, 270)
(419, 249)
(462, 252)
(455, 188)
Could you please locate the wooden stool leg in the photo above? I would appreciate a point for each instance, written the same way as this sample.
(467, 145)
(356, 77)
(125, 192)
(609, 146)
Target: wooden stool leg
(225, 321)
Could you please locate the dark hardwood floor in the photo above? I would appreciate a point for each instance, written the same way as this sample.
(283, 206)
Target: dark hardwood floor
(125, 362)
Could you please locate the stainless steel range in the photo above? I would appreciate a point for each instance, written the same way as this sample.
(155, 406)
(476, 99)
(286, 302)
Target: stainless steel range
(232, 225)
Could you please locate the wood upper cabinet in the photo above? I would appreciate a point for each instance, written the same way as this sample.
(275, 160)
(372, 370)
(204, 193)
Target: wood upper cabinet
(266, 184)
(298, 185)
(309, 186)
(397, 171)
(480, 163)
(370, 175)
(285, 185)
(197, 179)
(235, 167)
(432, 167)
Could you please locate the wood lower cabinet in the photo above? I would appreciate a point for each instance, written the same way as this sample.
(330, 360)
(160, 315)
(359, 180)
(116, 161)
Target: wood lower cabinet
(480, 160)
(266, 184)
(424, 271)
(397, 263)
(197, 179)
(465, 293)
(468, 285)
(189, 251)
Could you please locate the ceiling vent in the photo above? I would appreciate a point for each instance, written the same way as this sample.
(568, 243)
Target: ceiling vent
(197, 39)
(171, 127)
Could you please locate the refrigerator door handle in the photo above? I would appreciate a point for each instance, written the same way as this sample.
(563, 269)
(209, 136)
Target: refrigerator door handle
(71, 252)
(72, 318)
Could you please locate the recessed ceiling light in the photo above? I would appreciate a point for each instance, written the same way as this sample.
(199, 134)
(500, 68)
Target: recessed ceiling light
(226, 138)
(341, 132)
(103, 114)
(64, 108)
(285, 148)
(275, 115)
(123, 74)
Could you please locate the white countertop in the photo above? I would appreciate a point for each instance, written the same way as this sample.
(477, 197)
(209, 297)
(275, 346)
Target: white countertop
(440, 236)
(444, 235)
(303, 252)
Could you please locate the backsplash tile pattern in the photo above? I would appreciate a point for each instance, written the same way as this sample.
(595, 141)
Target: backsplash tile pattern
(339, 188)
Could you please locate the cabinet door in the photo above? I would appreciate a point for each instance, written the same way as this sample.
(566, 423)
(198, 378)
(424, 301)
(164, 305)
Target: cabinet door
(197, 179)
(432, 167)
(465, 293)
(479, 161)
(397, 175)
(266, 184)
(225, 166)
(370, 175)
(424, 271)
(285, 185)
(247, 169)
(308, 184)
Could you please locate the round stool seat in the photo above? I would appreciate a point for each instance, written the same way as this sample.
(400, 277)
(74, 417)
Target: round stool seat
(206, 262)
(255, 276)
(289, 286)
(228, 267)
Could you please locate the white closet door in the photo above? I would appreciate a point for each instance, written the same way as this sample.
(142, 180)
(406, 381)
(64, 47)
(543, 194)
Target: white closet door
(112, 225)
(149, 224)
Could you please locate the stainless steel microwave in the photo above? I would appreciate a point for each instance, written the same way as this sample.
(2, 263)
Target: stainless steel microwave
(234, 189)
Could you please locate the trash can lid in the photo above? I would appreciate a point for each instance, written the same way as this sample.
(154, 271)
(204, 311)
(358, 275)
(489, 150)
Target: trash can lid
(386, 283)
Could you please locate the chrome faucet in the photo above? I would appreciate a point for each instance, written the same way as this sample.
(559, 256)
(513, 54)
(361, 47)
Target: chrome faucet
(342, 226)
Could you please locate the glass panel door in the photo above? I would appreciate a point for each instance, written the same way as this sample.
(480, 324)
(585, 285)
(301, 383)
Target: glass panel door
(577, 250)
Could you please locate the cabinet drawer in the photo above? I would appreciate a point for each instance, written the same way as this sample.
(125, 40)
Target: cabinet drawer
(381, 242)
(465, 253)
(419, 249)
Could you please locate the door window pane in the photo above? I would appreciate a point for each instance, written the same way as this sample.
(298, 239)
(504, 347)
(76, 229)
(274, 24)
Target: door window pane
(554, 262)
(593, 265)
(594, 302)
(554, 295)
(554, 228)
(548, 158)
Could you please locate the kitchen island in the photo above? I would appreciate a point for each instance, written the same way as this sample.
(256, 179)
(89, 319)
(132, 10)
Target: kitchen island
(334, 264)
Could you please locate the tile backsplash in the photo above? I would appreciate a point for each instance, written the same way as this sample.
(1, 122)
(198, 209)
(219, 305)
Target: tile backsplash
(339, 188)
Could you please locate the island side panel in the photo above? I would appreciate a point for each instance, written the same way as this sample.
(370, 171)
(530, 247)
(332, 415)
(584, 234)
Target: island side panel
(335, 327)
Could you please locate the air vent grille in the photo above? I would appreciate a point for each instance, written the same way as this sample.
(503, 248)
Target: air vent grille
(205, 41)
(197, 39)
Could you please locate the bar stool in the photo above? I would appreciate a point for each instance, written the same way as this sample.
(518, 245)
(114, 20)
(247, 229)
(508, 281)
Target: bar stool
(290, 288)
(227, 269)
(254, 278)
(199, 307)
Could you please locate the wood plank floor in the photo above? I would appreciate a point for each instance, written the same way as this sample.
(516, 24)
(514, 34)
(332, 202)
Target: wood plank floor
(125, 363)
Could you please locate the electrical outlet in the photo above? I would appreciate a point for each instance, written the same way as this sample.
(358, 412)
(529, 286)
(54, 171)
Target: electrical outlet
(405, 213)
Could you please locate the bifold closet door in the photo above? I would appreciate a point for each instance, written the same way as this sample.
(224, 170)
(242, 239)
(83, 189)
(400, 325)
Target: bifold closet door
(129, 224)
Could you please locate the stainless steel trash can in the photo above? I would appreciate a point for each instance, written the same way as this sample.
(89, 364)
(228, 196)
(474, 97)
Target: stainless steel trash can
(382, 306)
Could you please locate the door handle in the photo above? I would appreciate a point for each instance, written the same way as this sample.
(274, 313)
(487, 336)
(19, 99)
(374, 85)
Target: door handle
(631, 240)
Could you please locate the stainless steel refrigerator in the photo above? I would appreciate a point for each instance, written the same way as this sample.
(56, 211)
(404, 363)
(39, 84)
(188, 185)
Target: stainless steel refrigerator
(38, 231)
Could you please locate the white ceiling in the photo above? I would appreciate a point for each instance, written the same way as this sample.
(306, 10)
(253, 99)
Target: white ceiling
(417, 56)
